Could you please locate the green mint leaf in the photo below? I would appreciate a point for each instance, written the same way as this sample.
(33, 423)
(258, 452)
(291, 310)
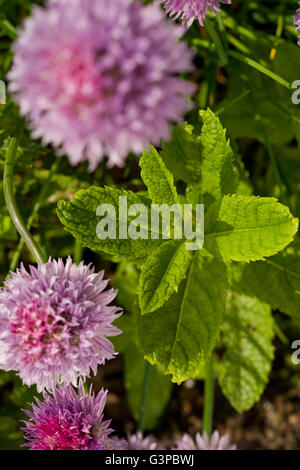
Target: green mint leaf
(182, 154)
(182, 333)
(162, 273)
(158, 178)
(242, 228)
(275, 281)
(79, 216)
(218, 174)
(248, 335)
(204, 162)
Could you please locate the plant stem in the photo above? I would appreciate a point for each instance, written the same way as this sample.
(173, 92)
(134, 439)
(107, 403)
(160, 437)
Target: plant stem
(144, 397)
(208, 397)
(273, 160)
(260, 68)
(279, 31)
(222, 30)
(223, 57)
(8, 29)
(233, 102)
(11, 202)
(77, 252)
(54, 168)
(283, 338)
(250, 35)
(243, 58)
(282, 182)
(280, 26)
(239, 45)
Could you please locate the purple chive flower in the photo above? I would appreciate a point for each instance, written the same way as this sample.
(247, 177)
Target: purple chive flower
(189, 10)
(138, 442)
(54, 323)
(98, 77)
(297, 23)
(215, 442)
(68, 421)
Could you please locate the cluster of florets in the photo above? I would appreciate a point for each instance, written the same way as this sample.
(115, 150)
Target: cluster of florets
(68, 421)
(55, 321)
(297, 23)
(100, 77)
(190, 10)
(74, 421)
(215, 442)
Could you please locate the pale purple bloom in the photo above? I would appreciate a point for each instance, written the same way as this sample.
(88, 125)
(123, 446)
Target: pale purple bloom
(98, 77)
(138, 442)
(297, 23)
(215, 442)
(54, 323)
(189, 10)
(68, 421)
(119, 444)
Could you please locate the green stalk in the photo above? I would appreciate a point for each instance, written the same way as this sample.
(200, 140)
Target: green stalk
(280, 26)
(208, 397)
(283, 338)
(222, 30)
(141, 423)
(199, 42)
(239, 45)
(8, 29)
(11, 202)
(77, 252)
(274, 162)
(243, 58)
(223, 57)
(230, 23)
(35, 210)
(260, 68)
(292, 30)
(233, 102)
(282, 181)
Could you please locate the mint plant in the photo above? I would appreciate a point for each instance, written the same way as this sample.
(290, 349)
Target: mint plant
(182, 294)
(149, 207)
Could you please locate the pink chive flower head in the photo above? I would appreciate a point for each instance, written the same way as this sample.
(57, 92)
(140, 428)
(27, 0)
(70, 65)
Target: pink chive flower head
(99, 77)
(189, 10)
(297, 23)
(215, 442)
(138, 442)
(54, 323)
(68, 421)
